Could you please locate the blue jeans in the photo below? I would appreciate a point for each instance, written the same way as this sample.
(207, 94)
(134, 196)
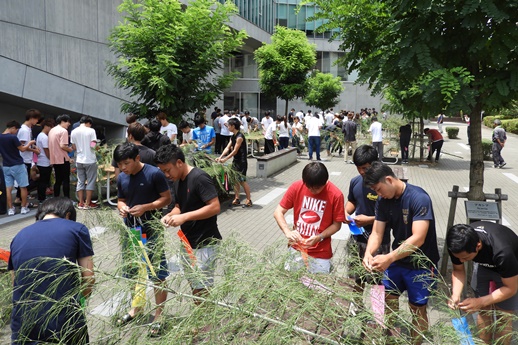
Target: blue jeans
(314, 145)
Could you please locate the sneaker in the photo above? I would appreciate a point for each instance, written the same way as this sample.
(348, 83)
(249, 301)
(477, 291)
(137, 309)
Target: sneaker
(91, 206)
(496, 166)
(25, 210)
(11, 211)
(502, 165)
(81, 206)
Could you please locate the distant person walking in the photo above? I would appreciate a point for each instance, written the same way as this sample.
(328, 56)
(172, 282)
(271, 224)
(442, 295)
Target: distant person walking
(349, 129)
(313, 125)
(377, 137)
(499, 139)
(440, 120)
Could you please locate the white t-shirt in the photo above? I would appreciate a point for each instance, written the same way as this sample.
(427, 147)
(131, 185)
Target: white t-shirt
(329, 119)
(300, 115)
(169, 130)
(187, 137)
(313, 126)
(24, 135)
(283, 130)
(266, 122)
(42, 141)
(244, 124)
(82, 138)
(224, 129)
(375, 130)
(268, 134)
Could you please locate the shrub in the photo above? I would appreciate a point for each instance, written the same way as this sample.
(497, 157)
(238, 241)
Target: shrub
(487, 147)
(453, 132)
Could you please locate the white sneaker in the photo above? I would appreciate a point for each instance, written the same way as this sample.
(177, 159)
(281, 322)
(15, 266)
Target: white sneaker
(25, 210)
(11, 211)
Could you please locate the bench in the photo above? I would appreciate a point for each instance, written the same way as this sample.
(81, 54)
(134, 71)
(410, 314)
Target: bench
(271, 163)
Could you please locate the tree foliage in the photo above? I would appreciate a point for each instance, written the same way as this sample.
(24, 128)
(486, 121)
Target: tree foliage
(323, 90)
(285, 63)
(434, 55)
(169, 55)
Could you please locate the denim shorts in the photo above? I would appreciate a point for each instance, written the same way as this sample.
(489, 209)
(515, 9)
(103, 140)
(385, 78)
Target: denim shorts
(16, 173)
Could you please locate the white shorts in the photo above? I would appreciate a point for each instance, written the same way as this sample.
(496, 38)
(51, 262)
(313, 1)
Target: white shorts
(200, 274)
(295, 262)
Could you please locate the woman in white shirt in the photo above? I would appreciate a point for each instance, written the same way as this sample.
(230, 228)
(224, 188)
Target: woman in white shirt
(284, 131)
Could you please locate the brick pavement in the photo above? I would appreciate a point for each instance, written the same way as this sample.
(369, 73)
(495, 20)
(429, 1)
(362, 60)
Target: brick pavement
(257, 227)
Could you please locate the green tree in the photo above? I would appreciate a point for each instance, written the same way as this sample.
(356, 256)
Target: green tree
(169, 55)
(323, 90)
(444, 54)
(285, 63)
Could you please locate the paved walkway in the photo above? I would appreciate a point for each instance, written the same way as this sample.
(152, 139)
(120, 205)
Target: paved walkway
(257, 227)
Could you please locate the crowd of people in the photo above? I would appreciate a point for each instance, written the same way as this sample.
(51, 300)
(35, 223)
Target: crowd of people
(153, 178)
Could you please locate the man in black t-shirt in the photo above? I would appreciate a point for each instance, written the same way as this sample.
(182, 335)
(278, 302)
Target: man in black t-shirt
(237, 148)
(495, 248)
(195, 212)
(405, 134)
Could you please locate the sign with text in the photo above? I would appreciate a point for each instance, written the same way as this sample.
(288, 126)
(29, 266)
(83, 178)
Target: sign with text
(482, 210)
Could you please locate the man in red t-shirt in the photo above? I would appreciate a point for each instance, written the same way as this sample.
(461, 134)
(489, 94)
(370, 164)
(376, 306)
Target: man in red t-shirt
(436, 140)
(318, 211)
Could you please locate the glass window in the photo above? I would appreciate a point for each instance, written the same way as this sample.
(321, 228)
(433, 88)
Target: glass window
(282, 12)
(301, 19)
(326, 62)
(292, 17)
(250, 102)
(231, 100)
(267, 103)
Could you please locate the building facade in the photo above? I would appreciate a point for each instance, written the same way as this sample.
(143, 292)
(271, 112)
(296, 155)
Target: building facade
(53, 57)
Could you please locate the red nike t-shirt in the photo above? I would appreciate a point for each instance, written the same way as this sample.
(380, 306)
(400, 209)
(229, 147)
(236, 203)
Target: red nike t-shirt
(313, 213)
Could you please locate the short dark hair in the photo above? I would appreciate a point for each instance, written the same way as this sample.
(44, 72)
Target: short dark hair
(374, 118)
(154, 125)
(315, 174)
(198, 120)
(130, 118)
(63, 118)
(161, 116)
(377, 173)
(247, 112)
(426, 130)
(169, 154)
(234, 122)
(86, 119)
(59, 206)
(137, 131)
(48, 122)
(266, 113)
(32, 114)
(183, 124)
(13, 124)
(365, 154)
(125, 151)
(462, 237)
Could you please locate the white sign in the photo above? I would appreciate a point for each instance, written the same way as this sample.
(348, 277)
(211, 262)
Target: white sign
(482, 210)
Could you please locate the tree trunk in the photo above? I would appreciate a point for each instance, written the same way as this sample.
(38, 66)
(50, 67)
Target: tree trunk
(286, 109)
(476, 167)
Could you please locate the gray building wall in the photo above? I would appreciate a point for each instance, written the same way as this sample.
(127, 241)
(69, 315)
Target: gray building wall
(53, 56)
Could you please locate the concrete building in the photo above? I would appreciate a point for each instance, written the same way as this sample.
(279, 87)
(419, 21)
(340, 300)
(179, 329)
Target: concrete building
(53, 57)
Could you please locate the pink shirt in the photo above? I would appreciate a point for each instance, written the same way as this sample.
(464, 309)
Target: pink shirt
(58, 136)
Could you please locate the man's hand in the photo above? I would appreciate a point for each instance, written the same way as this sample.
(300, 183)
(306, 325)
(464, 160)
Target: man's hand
(453, 302)
(471, 305)
(381, 262)
(311, 242)
(367, 262)
(124, 211)
(173, 220)
(294, 237)
(362, 220)
(137, 210)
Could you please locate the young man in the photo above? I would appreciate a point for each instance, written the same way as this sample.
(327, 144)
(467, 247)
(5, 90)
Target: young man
(59, 149)
(361, 200)
(154, 139)
(313, 125)
(224, 132)
(436, 141)
(195, 212)
(495, 248)
(318, 212)
(84, 140)
(237, 149)
(43, 164)
(32, 116)
(405, 134)
(186, 130)
(266, 121)
(13, 166)
(499, 138)
(349, 129)
(407, 210)
(52, 265)
(168, 129)
(377, 136)
(203, 134)
(143, 192)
